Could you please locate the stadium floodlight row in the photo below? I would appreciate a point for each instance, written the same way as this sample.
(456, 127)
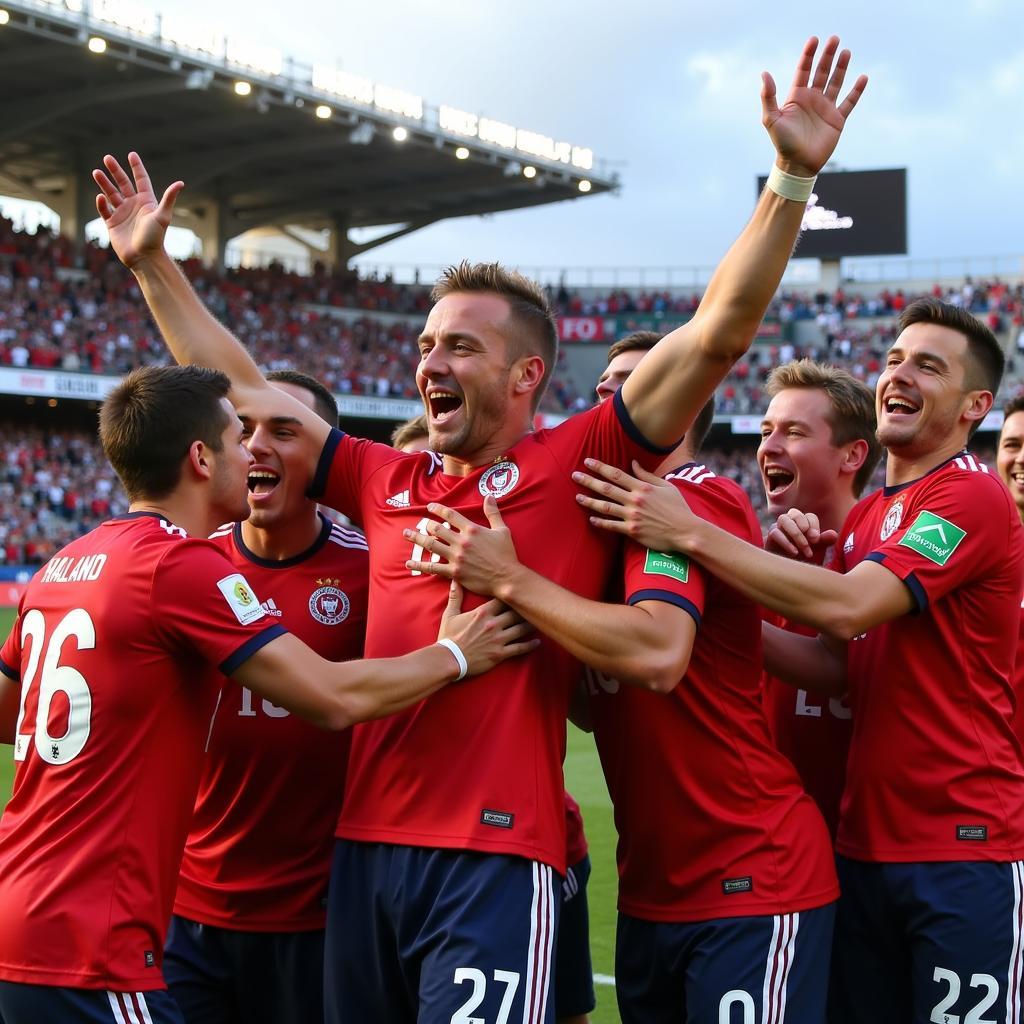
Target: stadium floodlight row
(260, 141)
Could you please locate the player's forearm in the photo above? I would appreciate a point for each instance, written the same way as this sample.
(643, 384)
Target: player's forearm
(618, 640)
(803, 593)
(379, 687)
(805, 662)
(192, 333)
(668, 389)
(744, 283)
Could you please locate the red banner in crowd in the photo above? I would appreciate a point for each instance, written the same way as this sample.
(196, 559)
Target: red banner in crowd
(582, 328)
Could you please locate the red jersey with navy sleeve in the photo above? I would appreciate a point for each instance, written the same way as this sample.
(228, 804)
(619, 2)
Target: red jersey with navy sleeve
(712, 819)
(112, 645)
(935, 770)
(259, 850)
(478, 765)
(813, 731)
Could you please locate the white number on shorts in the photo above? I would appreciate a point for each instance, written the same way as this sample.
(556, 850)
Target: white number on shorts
(974, 1016)
(417, 549)
(729, 1000)
(510, 979)
(56, 678)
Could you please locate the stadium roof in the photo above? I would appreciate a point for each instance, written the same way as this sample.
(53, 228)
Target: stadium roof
(285, 152)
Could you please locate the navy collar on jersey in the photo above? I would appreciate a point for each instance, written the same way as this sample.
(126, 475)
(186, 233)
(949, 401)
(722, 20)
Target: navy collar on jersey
(144, 514)
(325, 532)
(896, 488)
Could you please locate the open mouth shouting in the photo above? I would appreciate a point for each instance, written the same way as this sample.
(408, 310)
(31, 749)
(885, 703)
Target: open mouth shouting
(777, 480)
(442, 405)
(262, 483)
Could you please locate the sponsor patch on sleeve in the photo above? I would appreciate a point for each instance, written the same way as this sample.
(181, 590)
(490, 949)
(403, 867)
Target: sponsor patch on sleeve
(240, 598)
(932, 536)
(658, 563)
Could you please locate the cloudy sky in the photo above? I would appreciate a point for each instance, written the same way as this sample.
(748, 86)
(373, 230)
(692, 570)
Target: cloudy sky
(667, 90)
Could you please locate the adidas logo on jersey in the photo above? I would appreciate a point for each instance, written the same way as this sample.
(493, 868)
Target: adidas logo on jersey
(399, 500)
(270, 608)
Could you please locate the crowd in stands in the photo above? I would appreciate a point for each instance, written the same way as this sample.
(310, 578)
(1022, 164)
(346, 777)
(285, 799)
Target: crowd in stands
(53, 488)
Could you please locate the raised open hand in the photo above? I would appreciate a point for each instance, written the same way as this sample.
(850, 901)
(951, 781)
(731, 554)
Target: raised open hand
(806, 128)
(135, 221)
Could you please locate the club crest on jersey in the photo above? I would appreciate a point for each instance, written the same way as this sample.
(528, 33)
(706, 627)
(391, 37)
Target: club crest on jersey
(328, 604)
(893, 518)
(499, 479)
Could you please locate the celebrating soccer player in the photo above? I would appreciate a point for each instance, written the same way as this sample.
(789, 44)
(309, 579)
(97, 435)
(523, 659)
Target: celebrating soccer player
(113, 648)
(462, 797)
(920, 623)
(818, 450)
(247, 938)
(726, 882)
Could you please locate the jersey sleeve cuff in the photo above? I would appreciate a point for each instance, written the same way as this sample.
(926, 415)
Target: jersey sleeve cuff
(323, 465)
(235, 661)
(669, 598)
(633, 432)
(10, 671)
(907, 577)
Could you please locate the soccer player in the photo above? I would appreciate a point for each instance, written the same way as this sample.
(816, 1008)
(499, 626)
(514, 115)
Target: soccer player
(112, 647)
(574, 972)
(920, 623)
(726, 882)
(818, 450)
(479, 807)
(247, 938)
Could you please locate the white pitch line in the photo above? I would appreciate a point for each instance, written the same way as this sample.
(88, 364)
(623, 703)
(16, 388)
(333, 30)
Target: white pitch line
(604, 979)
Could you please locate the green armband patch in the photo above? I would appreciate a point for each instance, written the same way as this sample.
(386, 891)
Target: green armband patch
(934, 537)
(658, 563)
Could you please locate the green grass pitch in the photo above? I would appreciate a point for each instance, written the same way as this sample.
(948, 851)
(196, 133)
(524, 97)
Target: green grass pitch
(586, 783)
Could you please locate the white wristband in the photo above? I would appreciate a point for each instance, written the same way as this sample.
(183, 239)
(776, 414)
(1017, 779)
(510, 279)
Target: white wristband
(459, 657)
(790, 186)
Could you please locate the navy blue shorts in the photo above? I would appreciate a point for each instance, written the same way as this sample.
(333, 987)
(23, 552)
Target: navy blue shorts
(422, 936)
(735, 970)
(922, 943)
(43, 1004)
(222, 976)
(574, 974)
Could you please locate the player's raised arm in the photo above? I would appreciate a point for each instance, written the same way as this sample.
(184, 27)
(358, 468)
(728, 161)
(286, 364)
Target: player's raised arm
(137, 223)
(665, 393)
(335, 696)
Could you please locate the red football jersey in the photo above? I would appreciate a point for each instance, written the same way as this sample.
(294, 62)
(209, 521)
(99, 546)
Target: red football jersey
(112, 644)
(712, 819)
(575, 837)
(935, 770)
(813, 731)
(478, 765)
(259, 850)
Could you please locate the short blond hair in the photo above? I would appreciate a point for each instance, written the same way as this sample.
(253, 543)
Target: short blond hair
(535, 327)
(410, 430)
(852, 404)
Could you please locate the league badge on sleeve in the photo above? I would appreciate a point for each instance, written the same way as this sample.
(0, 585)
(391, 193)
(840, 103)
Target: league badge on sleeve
(329, 604)
(934, 537)
(499, 479)
(240, 598)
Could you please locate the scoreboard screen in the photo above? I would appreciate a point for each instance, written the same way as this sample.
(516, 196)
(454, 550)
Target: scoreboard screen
(854, 213)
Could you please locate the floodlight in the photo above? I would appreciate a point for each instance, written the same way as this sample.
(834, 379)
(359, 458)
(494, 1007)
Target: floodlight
(97, 45)
(4, 17)
(242, 88)
(400, 134)
(462, 153)
(323, 111)
(584, 185)
(529, 171)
